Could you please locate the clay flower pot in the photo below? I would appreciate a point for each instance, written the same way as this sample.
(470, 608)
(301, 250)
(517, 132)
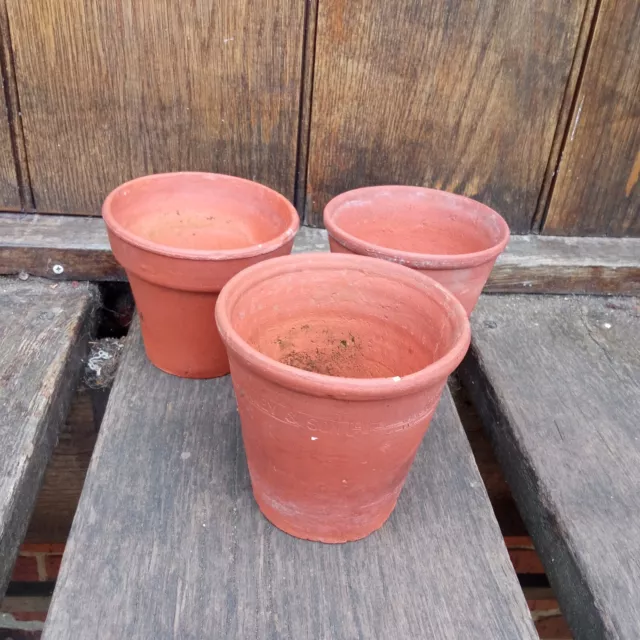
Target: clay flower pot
(451, 238)
(180, 238)
(338, 363)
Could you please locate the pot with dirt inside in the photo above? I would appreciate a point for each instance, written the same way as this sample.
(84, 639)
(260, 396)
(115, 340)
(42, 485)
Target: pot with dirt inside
(338, 363)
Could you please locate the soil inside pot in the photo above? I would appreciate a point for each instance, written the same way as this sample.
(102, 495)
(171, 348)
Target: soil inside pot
(346, 322)
(327, 349)
(357, 347)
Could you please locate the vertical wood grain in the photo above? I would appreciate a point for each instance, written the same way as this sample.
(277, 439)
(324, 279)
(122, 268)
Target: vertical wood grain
(113, 90)
(562, 124)
(458, 95)
(597, 191)
(9, 191)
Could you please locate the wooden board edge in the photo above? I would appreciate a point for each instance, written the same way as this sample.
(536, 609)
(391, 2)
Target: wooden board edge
(577, 601)
(532, 264)
(61, 263)
(565, 279)
(57, 410)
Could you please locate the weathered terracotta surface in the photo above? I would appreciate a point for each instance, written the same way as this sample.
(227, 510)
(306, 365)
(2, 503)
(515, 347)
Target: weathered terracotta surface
(338, 363)
(451, 238)
(181, 237)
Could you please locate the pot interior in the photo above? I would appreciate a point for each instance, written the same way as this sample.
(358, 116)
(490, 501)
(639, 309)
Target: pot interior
(345, 322)
(201, 211)
(418, 220)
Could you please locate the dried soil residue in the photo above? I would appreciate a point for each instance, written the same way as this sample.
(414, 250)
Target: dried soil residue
(323, 351)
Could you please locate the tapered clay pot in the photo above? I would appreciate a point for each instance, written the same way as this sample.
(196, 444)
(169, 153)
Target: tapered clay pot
(180, 238)
(453, 239)
(338, 363)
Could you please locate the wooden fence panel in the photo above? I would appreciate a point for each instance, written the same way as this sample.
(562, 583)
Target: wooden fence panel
(459, 95)
(9, 190)
(9, 193)
(113, 90)
(597, 190)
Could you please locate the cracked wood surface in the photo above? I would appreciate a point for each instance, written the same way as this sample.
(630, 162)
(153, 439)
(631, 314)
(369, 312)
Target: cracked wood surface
(180, 549)
(557, 383)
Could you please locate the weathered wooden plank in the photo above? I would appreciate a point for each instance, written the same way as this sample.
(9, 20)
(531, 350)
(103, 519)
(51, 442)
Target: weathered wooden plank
(9, 192)
(113, 90)
(550, 264)
(458, 95)
(15, 188)
(181, 550)
(557, 381)
(57, 247)
(64, 477)
(566, 109)
(597, 191)
(44, 330)
(531, 264)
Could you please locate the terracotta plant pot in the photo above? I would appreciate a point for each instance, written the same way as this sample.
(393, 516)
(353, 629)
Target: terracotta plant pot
(338, 363)
(180, 238)
(453, 239)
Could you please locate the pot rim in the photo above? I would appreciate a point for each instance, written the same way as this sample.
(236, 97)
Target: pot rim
(199, 254)
(322, 385)
(410, 258)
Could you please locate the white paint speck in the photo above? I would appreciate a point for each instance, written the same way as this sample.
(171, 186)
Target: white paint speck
(313, 438)
(228, 40)
(185, 455)
(396, 378)
(607, 325)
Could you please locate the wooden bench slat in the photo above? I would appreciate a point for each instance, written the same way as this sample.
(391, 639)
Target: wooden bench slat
(557, 382)
(168, 542)
(530, 264)
(44, 330)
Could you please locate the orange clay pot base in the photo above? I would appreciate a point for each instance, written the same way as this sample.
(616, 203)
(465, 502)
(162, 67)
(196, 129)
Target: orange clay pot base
(334, 346)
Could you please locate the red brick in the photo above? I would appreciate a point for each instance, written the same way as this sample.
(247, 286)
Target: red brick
(53, 547)
(554, 628)
(548, 619)
(52, 565)
(25, 570)
(30, 616)
(523, 555)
